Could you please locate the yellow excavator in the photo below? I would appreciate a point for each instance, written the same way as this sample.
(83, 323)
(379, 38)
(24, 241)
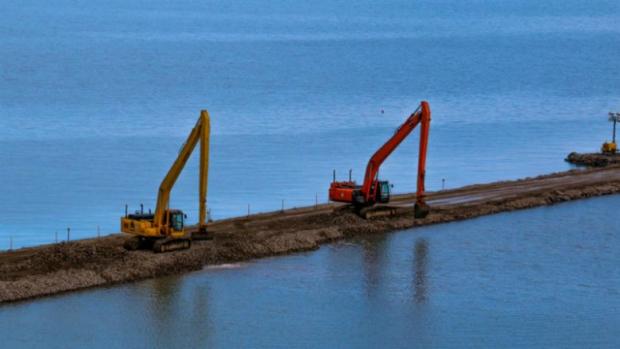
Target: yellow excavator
(165, 229)
(610, 148)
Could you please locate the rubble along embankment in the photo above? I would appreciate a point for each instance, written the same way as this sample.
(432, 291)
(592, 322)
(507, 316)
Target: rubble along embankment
(593, 159)
(51, 269)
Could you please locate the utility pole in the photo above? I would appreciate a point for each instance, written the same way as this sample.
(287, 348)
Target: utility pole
(614, 117)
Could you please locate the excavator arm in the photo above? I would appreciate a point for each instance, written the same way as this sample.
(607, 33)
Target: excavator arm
(200, 133)
(422, 116)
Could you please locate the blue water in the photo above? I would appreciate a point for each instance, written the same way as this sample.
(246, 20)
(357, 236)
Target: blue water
(541, 278)
(96, 99)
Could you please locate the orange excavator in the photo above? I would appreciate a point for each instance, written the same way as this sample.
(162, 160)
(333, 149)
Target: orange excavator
(373, 190)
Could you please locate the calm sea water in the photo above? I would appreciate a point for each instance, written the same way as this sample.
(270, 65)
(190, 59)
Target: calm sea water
(96, 100)
(541, 278)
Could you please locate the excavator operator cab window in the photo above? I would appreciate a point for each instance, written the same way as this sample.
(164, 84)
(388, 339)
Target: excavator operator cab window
(176, 221)
(384, 192)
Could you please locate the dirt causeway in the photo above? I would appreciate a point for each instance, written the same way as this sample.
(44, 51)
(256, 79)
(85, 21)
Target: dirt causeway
(50, 269)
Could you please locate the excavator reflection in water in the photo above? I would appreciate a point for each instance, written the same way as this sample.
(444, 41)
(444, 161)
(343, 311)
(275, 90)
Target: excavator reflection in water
(165, 229)
(420, 269)
(375, 259)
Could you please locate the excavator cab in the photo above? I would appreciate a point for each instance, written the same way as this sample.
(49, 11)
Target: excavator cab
(383, 192)
(176, 221)
(170, 236)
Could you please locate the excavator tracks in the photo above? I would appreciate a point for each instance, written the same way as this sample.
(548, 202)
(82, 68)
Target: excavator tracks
(168, 244)
(157, 245)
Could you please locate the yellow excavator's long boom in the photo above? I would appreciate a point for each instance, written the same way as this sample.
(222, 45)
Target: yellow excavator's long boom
(165, 229)
(200, 133)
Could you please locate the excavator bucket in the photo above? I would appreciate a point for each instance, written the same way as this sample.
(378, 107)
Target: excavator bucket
(202, 234)
(420, 210)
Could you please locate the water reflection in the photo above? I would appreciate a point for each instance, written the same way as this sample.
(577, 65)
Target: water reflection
(203, 329)
(374, 262)
(163, 304)
(420, 261)
(171, 299)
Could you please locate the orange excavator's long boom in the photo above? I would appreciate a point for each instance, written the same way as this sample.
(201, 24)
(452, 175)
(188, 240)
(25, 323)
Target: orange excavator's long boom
(373, 190)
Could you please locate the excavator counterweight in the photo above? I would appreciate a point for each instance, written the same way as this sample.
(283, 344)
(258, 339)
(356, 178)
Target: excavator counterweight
(373, 190)
(164, 230)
